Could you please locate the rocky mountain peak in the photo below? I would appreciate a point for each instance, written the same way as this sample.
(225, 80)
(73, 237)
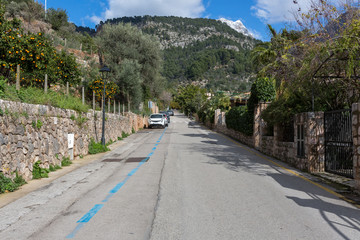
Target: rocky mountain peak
(237, 26)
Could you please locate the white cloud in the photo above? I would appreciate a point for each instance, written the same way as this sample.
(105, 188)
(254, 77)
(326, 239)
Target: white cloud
(121, 8)
(277, 11)
(94, 19)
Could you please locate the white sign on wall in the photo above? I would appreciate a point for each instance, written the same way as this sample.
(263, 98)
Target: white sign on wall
(71, 140)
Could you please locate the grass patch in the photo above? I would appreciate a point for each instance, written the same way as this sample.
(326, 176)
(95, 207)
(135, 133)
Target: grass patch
(37, 96)
(95, 148)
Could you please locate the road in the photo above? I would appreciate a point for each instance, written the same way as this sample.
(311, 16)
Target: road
(191, 184)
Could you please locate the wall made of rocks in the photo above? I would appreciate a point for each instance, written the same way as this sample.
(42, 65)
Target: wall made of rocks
(31, 133)
(356, 142)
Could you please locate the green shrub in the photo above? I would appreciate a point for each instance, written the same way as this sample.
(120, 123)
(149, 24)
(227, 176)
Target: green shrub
(39, 172)
(66, 162)
(95, 148)
(262, 90)
(124, 134)
(240, 119)
(6, 184)
(19, 180)
(132, 130)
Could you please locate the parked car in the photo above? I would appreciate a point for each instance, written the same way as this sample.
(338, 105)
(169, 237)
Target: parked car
(170, 112)
(158, 120)
(166, 115)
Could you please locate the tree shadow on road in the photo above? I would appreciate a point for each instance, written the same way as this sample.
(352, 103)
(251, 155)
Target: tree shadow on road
(237, 158)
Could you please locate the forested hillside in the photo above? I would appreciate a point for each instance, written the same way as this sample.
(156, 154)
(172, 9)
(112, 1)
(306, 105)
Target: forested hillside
(203, 50)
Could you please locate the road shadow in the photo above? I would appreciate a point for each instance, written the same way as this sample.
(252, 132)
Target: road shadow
(237, 158)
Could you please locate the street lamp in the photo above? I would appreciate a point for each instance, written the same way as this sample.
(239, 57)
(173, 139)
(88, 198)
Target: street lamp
(104, 72)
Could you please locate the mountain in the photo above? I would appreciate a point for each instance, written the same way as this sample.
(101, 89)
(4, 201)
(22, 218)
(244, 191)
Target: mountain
(237, 26)
(206, 51)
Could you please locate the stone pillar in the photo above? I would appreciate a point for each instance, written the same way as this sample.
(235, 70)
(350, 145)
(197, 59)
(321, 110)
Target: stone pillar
(223, 120)
(217, 117)
(314, 141)
(259, 124)
(356, 142)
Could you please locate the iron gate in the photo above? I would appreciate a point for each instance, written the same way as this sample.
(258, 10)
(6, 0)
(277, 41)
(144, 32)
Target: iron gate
(339, 142)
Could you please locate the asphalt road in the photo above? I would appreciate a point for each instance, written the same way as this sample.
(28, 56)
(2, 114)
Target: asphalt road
(192, 184)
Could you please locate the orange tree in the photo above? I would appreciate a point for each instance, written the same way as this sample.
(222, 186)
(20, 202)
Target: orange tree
(35, 55)
(97, 86)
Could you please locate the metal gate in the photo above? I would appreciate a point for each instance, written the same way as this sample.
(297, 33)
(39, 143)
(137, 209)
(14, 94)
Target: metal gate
(339, 142)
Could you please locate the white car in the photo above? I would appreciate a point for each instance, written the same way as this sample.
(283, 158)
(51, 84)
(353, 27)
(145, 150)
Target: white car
(157, 120)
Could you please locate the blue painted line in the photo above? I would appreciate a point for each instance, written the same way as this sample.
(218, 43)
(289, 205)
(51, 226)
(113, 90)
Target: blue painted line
(86, 218)
(117, 187)
(133, 171)
(107, 197)
(71, 235)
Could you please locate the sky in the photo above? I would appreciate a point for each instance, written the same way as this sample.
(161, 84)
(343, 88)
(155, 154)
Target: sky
(254, 14)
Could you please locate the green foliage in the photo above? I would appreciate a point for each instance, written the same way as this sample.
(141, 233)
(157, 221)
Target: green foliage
(2, 86)
(240, 119)
(36, 56)
(57, 18)
(80, 120)
(207, 112)
(36, 96)
(66, 162)
(190, 98)
(52, 168)
(6, 184)
(134, 59)
(37, 124)
(119, 138)
(39, 172)
(132, 130)
(95, 148)
(72, 117)
(262, 90)
(124, 135)
(97, 86)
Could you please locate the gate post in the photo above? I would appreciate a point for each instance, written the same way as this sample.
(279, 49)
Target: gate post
(356, 143)
(315, 141)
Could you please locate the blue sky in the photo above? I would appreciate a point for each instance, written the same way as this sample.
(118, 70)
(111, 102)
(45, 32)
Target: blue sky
(254, 14)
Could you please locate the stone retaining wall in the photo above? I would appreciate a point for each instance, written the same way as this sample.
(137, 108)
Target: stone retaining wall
(356, 142)
(29, 133)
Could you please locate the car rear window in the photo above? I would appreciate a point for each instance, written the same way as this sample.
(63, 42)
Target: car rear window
(156, 116)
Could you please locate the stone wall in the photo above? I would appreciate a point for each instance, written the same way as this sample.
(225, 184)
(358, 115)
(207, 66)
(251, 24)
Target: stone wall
(284, 151)
(356, 142)
(31, 133)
